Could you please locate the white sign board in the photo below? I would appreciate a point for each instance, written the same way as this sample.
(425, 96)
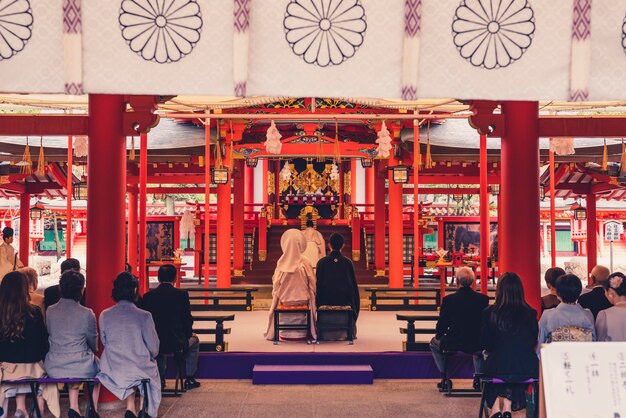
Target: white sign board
(613, 230)
(584, 379)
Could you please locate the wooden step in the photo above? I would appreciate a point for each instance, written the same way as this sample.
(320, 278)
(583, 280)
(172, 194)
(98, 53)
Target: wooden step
(312, 375)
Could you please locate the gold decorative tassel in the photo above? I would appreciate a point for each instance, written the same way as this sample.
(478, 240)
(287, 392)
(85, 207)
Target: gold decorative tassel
(27, 162)
(320, 156)
(605, 158)
(131, 157)
(337, 151)
(429, 157)
(622, 170)
(418, 164)
(41, 167)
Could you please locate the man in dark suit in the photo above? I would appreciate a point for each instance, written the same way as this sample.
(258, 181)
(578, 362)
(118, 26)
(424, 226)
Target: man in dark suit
(171, 311)
(52, 294)
(596, 300)
(458, 327)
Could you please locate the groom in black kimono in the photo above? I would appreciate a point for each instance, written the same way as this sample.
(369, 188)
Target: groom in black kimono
(336, 281)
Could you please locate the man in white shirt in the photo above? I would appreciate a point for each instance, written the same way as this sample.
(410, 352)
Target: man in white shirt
(8, 255)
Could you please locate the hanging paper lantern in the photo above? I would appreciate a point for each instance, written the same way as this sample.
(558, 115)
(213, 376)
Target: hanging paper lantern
(562, 146)
(285, 173)
(272, 142)
(384, 142)
(80, 146)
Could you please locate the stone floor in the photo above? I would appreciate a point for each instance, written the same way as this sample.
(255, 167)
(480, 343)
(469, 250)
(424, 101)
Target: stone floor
(239, 398)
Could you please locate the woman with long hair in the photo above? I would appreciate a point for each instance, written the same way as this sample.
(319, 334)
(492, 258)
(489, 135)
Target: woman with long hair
(509, 336)
(23, 345)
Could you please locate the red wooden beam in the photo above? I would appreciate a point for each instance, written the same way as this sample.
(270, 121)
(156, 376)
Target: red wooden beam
(426, 179)
(43, 125)
(176, 179)
(582, 126)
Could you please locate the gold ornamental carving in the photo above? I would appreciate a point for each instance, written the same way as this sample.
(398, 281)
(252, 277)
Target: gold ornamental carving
(304, 215)
(347, 183)
(271, 184)
(262, 255)
(356, 255)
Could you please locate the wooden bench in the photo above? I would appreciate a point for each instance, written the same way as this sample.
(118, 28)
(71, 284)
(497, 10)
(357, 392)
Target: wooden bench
(410, 331)
(408, 295)
(89, 384)
(217, 295)
(219, 331)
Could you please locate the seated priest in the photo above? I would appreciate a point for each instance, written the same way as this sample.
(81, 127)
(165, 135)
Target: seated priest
(314, 243)
(293, 287)
(458, 327)
(336, 282)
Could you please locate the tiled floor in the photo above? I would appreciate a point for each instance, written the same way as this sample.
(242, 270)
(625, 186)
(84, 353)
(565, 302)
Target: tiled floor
(385, 398)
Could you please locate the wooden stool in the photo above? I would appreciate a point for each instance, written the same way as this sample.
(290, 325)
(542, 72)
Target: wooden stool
(347, 325)
(290, 310)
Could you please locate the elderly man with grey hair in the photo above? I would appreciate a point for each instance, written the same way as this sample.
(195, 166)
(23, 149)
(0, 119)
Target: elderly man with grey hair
(458, 327)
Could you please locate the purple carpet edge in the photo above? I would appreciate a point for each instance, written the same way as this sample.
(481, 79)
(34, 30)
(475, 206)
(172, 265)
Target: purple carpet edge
(386, 365)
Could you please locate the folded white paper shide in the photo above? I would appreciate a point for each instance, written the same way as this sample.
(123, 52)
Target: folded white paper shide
(584, 379)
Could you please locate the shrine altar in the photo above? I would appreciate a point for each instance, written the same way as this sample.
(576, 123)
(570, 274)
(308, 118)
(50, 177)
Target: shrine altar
(309, 206)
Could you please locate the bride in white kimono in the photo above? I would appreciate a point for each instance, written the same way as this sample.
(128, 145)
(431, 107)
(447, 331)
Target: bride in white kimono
(293, 285)
(315, 248)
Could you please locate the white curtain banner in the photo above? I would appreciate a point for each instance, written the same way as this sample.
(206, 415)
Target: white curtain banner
(495, 49)
(608, 50)
(326, 48)
(158, 47)
(31, 46)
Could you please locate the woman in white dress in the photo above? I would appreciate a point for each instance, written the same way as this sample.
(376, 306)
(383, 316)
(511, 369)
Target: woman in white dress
(611, 323)
(315, 248)
(293, 285)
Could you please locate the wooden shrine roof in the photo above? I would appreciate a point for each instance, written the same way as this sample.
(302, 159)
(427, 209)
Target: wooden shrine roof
(573, 180)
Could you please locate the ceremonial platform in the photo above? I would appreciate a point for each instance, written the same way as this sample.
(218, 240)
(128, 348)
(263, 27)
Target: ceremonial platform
(378, 344)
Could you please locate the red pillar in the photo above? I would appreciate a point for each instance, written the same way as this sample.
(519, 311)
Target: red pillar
(417, 236)
(552, 212)
(68, 189)
(207, 195)
(106, 217)
(379, 221)
(501, 216)
(370, 179)
(224, 230)
(266, 169)
(248, 193)
(520, 196)
(24, 227)
(132, 228)
(592, 233)
(396, 239)
(238, 223)
(484, 216)
(143, 184)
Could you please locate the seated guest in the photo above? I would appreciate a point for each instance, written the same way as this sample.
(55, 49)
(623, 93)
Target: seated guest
(551, 300)
(596, 300)
(293, 284)
(568, 321)
(131, 345)
(171, 313)
(508, 336)
(314, 243)
(611, 322)
(73, 339)
(336, 280)
(32, 278)
(23, 345)
(53, 293)
(458, 327)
